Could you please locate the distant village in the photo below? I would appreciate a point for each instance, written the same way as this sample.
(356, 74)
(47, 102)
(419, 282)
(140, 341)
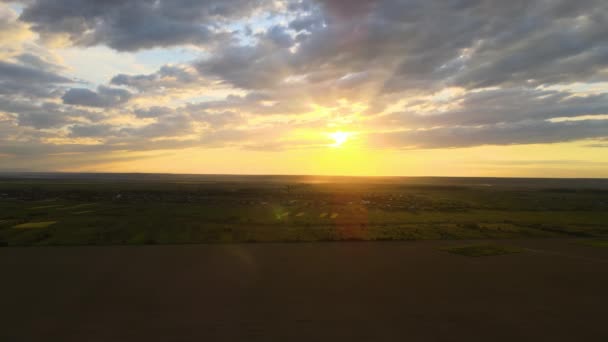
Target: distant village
(285, 197)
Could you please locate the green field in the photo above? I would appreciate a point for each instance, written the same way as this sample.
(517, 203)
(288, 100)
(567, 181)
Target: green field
(483, 250)
(101, 211)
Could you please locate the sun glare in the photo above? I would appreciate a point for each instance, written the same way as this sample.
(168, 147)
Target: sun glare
(339, 138)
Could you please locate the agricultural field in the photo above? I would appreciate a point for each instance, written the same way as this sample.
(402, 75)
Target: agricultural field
(152, 257)
(130, 209)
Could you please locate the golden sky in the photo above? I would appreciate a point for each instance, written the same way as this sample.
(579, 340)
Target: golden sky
(365, 87)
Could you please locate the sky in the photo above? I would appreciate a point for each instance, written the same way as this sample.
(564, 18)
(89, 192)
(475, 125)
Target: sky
(364, 87)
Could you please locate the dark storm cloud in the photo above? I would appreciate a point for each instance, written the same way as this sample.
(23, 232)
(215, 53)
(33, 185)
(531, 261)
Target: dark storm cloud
(129, 25)
(103, 98)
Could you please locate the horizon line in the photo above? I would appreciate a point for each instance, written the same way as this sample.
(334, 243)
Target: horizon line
(286, 175)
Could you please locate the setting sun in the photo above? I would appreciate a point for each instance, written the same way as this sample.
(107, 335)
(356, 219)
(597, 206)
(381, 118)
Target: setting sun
(339, 138)
(237, 138)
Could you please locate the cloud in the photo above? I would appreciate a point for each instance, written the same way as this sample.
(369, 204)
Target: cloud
(104, 97)
(12, 31)
(248, 67)
(403, 73)
(44, 114)
(153, 112)
(90, 131)
(25, 80)
(502, 105)
(135, 24)
(279, 36)
(473, 44)
(167, 77)
(527, 132)
(169, 123)
(602, 143)
(37, 62)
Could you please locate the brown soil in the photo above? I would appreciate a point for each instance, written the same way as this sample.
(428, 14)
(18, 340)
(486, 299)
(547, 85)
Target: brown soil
(556, 290)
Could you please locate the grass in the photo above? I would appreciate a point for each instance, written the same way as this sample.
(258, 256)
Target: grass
(483, 250)
(46, 207)
(249, 211)
(28, 225)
